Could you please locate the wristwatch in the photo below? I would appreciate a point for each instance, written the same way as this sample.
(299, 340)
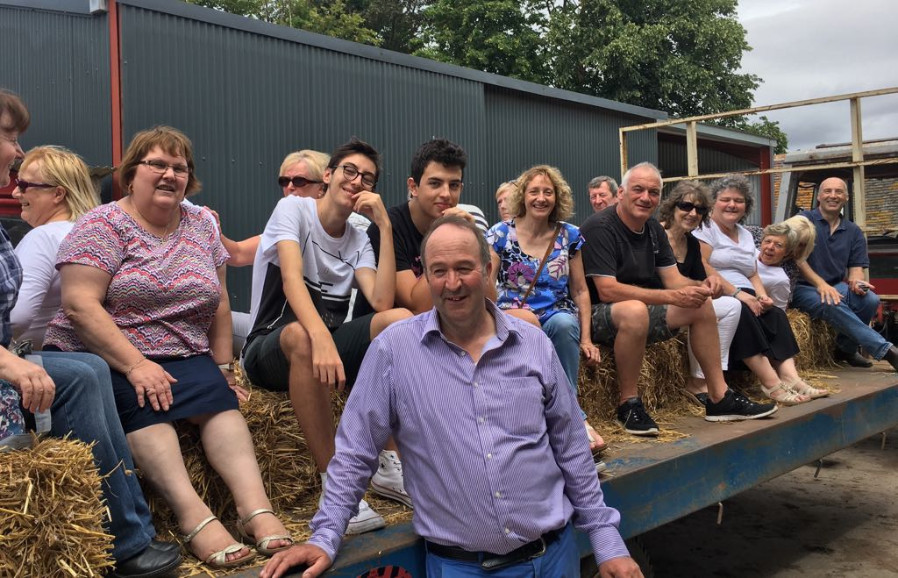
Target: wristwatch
(736, 292)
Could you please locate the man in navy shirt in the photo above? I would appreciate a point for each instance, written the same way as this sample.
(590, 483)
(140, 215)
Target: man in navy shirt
(833, 288)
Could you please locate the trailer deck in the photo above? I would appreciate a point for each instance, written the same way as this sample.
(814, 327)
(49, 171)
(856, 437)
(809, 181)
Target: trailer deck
(657, 482)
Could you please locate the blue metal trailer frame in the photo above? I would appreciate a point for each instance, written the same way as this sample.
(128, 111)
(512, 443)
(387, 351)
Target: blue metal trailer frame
(657, 482)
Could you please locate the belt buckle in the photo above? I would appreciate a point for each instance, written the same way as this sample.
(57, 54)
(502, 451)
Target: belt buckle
(542, 549)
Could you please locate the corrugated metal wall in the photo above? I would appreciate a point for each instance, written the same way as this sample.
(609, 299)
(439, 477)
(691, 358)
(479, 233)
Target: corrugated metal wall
(59, 64)
(672, 157)
(247, 93)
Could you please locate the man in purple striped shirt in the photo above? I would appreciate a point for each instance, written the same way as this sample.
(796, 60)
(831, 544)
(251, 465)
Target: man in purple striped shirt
(489, 431)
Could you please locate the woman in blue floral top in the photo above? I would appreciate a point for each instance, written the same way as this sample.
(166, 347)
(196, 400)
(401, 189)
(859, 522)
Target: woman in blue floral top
(540, 202)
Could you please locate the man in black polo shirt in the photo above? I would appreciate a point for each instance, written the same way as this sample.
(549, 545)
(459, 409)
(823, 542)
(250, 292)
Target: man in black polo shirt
(625, 249)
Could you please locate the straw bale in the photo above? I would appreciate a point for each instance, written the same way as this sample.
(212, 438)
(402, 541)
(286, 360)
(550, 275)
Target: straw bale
(51, 512)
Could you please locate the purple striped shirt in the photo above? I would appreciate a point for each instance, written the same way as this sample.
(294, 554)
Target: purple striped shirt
(494, 453)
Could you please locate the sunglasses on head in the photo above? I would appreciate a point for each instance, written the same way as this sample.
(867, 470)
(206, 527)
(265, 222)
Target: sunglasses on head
(298, 182)
(687, 207)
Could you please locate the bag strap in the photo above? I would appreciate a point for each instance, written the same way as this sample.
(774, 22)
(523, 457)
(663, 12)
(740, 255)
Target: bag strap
(542, 264)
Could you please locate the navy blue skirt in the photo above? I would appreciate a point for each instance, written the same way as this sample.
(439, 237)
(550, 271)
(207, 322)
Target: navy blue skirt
(201, 388)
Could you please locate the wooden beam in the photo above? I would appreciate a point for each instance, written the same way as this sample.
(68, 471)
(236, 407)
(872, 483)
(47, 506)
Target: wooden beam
(859, 195)
(691, 150)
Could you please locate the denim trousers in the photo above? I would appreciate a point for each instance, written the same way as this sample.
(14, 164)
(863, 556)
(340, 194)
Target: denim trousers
(561, 560)
(850, 318)
(563, 330)
(85, 408)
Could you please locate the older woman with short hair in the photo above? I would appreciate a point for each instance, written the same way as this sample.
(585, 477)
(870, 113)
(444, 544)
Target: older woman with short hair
(536, 263)
(765, 343)
(54, 190)
(143, 284)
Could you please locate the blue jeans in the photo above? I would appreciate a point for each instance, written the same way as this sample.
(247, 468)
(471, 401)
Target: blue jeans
(84, 407)
(561, 560)
(850, 318)
(563, 330)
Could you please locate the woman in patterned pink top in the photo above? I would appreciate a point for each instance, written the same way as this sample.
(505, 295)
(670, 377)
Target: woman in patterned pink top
(143, 284)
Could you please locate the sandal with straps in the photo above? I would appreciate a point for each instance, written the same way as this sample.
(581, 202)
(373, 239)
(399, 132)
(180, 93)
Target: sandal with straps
(784, 394)
(592, 436)
(218, 559)
(801, 387)
(262, 543)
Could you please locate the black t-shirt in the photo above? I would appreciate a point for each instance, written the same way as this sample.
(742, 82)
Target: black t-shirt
(613, 250)
(692, 267)
(406, 244)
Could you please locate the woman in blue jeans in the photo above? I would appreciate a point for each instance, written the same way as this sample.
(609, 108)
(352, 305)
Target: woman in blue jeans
(556, 292)
(78, 391)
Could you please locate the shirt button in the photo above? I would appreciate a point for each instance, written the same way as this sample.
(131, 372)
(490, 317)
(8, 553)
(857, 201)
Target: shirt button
(507, 531)
(476, 384)
(489, 456)
(461, 353)
(479, 420)
(498, 494)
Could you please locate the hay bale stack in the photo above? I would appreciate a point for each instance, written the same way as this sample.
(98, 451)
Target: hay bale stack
(51, 512)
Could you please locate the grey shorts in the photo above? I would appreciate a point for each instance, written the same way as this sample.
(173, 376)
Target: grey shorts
(267, 366)
(604, 332)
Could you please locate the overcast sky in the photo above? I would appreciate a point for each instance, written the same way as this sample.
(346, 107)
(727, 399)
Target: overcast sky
(812, 48)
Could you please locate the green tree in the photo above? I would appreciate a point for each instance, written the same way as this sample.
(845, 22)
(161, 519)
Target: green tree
(765, 127)
(495, 36)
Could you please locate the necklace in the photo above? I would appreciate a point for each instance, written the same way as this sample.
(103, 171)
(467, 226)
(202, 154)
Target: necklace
(165, 230)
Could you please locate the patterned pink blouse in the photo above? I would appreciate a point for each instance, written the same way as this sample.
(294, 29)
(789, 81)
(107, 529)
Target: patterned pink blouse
(163, 294)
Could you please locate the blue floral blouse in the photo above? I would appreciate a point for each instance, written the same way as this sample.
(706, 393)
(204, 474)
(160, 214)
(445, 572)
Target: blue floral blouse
(516, 270)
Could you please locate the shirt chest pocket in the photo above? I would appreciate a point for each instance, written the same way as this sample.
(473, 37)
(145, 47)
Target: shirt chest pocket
(522, 407)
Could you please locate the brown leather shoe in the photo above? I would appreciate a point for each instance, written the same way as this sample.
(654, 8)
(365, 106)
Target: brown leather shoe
(854, 359)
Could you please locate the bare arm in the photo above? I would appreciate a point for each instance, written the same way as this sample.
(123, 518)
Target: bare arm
(83, 292)
(412, 292)
(613, 291)
(221, 334)
(379, 287)
(242, 253)
(580, 295)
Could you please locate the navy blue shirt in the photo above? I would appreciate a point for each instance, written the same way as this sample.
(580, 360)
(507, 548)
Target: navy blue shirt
(834, 254)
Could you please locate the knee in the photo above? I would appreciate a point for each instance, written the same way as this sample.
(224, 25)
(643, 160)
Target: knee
(630, 317)
(384, 319)
(294, 341)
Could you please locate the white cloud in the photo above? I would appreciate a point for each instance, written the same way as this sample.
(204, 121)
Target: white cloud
(811, 48)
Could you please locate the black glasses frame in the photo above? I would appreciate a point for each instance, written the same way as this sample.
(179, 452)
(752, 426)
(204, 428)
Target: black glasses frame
(298, 182)
(25, 185)
(688, 207)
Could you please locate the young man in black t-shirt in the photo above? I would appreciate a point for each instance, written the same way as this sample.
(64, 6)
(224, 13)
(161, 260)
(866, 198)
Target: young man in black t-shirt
(625, 249)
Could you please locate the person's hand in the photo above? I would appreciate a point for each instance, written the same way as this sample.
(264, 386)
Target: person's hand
(766, 303)
(456, 212)
(625, 567)
(306, 554)
(829, 295)
(691, 297)
(151, 383)
(35, 386)
(751, 301)
(591, 352)
(859, 286)
(231, 378)
(327, 367)
(715, 284)
(372, 206)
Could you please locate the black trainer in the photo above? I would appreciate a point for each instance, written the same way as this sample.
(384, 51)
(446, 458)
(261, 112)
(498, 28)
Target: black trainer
(854, 359)
(736, 407)
(632, 415)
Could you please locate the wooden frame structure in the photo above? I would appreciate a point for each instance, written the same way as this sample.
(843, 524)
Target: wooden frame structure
(857, 162)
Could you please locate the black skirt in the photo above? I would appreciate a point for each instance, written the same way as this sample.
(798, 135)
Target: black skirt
(768, 334)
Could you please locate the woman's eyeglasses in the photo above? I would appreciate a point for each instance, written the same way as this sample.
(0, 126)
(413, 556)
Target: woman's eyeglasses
(160, 167)
(298, 182)
(687, 207)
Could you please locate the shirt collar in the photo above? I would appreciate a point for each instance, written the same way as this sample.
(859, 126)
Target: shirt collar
(504, 326)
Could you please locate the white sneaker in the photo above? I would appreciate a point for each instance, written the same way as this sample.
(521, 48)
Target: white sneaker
(366, 520)
(387, 480)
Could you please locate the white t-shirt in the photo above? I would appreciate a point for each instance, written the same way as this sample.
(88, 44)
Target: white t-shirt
(40, 295)
(776, 282)
(329, 263)
(734, 261)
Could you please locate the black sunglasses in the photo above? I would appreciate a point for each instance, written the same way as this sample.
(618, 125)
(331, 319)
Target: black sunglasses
(25, 185)
(688, 207)
(298, 182)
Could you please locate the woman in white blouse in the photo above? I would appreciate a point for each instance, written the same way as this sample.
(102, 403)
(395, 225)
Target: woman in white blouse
(54, 189)
(766, 345)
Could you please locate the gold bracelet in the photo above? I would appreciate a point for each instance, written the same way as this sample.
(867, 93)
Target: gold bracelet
(133, 367)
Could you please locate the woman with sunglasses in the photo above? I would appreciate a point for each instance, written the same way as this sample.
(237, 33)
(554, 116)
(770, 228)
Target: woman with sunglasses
(143, 287)
(300, 175)
(764, 341)
(54, 190)
(681, 213)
